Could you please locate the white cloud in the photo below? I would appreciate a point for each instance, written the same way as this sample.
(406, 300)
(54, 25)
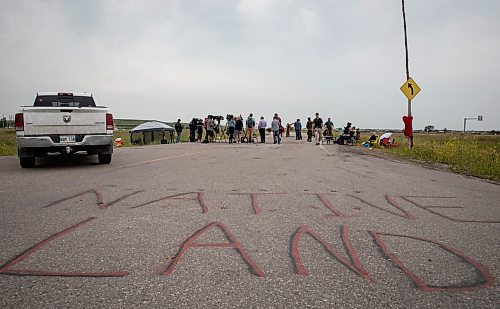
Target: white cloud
(189, 58)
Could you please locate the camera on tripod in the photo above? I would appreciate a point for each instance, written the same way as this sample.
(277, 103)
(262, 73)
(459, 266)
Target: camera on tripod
(195, 121)
(218, 118)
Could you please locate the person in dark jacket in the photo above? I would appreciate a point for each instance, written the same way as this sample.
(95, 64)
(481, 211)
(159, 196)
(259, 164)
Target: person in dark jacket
(309, 126)
(178, 129)
(199, 128)
(238, 128)
(192, 130)
(231, 124)
(318, 128)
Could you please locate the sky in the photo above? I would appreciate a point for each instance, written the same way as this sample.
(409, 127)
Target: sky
(165, 60)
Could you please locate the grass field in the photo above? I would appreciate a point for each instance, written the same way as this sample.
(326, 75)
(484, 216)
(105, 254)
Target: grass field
(477, 155)
(8, 145)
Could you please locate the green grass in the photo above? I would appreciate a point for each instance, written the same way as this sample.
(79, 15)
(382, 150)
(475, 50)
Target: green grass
(477, 155)
(128, 124)
(8, 146)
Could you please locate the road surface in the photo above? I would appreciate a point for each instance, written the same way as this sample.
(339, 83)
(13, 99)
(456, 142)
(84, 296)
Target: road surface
(237, 226)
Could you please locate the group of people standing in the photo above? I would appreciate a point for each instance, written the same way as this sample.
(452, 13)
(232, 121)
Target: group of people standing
(250, 136)
(316, 127)
(212, 127)
(237, 134)
(235, 128)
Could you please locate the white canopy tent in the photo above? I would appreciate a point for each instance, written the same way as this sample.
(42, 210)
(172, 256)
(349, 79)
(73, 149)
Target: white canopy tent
(152, 126)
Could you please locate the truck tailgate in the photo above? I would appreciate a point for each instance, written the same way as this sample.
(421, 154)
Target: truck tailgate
(64, 120)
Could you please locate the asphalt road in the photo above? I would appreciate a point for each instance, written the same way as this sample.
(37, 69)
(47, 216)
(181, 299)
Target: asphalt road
(222, 226)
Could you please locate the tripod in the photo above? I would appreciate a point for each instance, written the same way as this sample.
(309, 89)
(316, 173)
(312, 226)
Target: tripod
(221, 135)
(245, 139)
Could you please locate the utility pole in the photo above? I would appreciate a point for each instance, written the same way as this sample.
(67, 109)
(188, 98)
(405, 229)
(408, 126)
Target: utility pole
(410, 136)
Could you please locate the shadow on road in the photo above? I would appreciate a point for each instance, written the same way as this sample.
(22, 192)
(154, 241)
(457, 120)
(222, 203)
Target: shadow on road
(74, 160)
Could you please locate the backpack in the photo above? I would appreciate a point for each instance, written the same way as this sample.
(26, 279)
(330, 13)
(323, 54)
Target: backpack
(250, 123)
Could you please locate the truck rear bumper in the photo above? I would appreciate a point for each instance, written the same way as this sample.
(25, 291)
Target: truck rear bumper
(46, 142)
(29, 146)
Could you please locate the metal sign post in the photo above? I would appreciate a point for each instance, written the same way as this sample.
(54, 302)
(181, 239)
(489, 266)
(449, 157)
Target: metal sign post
(479, 118)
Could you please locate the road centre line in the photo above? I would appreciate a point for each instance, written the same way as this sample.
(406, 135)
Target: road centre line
(102, 170)
(323, 147)
(162, 159)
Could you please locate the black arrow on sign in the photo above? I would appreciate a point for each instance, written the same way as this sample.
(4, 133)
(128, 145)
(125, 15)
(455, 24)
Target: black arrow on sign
(411, 88)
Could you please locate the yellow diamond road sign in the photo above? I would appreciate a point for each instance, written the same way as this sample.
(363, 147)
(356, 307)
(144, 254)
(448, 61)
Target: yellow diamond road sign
(410, 89)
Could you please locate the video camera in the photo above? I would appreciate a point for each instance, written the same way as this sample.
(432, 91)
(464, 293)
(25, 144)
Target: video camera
(195, 121)
(218, 118)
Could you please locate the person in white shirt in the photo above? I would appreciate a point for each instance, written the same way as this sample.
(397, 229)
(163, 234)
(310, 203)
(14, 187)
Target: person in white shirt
(275, 126)
(262, 129)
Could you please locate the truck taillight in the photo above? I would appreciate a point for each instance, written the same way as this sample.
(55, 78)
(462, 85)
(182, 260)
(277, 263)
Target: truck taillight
(19, 122)
(109, 121)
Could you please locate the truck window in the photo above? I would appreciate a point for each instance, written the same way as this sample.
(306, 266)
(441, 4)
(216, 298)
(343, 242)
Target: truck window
(64, 101)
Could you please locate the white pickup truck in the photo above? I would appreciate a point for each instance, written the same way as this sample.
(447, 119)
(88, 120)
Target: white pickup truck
(63, 122)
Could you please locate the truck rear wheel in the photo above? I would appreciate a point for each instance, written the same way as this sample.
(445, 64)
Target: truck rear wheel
(27, 162)
(104, 158)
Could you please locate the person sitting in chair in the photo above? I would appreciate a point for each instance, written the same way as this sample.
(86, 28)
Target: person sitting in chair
(346, 134)
(387, 143)
(371, 140)
(385, 140)
(347, 129)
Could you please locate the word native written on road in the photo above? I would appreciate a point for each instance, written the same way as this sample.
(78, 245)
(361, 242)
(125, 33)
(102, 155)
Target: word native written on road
(410, 89)
(395, 206)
